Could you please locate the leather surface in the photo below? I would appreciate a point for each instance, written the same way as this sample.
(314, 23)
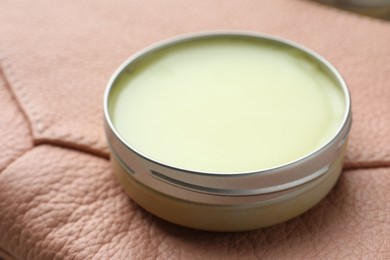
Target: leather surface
(73, 207)
(58, 196)
(14, 131)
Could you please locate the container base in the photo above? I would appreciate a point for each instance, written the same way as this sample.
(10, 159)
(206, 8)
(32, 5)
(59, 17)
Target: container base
(227, 218)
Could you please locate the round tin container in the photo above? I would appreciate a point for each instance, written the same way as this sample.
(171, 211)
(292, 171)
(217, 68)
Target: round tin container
(375, 8)
(228, 202)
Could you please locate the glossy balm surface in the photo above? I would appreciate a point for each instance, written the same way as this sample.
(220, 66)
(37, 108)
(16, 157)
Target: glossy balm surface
(226, 106)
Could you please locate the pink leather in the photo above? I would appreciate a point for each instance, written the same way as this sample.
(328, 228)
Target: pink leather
(58, 196)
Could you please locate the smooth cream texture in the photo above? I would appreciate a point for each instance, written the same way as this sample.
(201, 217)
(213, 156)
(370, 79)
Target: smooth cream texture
(226, 106)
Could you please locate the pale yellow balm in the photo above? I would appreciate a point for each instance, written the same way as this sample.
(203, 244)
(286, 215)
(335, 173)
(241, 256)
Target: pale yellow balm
(221, 105)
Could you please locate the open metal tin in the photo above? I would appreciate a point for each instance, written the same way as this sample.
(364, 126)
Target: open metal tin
(228, 202)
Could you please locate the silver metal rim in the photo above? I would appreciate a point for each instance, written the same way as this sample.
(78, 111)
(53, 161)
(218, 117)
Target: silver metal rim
(339, 136)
